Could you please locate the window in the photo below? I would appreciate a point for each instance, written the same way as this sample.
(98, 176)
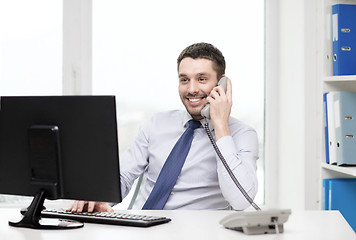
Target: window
(136, 44)
(31, 47)
(30, 51)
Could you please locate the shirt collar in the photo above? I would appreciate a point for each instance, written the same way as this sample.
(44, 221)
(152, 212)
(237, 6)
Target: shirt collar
(187, 117)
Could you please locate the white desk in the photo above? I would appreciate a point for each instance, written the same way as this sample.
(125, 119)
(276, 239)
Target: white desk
(187, 225)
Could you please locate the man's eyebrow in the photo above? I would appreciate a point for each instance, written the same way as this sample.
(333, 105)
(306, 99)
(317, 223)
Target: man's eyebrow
(182, 75)
(197, 75)
(203, 74)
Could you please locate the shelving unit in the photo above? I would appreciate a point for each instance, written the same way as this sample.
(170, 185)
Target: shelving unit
(332, 83)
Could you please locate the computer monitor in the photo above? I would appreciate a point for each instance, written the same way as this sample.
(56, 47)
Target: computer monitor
(58, 147)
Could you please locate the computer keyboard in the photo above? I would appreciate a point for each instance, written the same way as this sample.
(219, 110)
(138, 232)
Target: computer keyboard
(106, 218)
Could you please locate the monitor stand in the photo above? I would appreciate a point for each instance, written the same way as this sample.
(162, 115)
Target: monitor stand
(32, 217)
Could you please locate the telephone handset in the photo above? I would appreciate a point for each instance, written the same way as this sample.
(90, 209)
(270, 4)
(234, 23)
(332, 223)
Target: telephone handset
(205, 112)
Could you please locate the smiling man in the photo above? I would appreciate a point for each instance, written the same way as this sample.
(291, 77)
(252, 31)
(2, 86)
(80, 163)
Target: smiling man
(202, 181)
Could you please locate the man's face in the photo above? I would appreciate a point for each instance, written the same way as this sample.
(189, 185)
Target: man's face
(196, 80)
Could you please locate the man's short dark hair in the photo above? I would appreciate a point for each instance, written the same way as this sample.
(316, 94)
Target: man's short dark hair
(207, 51)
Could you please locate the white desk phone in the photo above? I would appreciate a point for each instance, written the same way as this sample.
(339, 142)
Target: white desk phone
(257, 222)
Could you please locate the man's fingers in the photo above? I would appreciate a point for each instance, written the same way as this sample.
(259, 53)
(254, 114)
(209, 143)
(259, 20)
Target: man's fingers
(103, 207)
(91, 206)
(77, 206)
(81, 206)
(73, 207)
(108, 208)
(229, 89)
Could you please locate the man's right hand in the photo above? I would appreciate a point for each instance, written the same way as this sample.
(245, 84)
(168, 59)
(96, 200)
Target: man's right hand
(89, 206)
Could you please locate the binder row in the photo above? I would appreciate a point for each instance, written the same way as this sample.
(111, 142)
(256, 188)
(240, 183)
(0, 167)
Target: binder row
(344, 39)
(340, 128)
(340, 194)
(340, 116)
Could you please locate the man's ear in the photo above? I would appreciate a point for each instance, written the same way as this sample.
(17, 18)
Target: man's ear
(223, 75)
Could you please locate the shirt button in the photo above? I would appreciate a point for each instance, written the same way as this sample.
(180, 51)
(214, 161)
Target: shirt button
(172, 193)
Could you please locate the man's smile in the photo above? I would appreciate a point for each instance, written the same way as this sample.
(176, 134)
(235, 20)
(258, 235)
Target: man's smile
(195, 100)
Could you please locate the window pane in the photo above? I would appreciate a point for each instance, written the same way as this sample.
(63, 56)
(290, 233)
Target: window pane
(30, 52)
(31, 47)
(136, 44)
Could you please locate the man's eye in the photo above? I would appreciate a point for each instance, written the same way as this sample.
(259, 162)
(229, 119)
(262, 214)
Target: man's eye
(184, 80)
(202, 79)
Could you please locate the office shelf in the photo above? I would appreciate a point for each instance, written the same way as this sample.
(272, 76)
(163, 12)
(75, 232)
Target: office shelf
(332, 83)
(336, 79)
(350, 171)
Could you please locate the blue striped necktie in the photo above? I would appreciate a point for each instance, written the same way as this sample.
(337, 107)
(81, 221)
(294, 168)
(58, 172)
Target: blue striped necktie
(171, 169)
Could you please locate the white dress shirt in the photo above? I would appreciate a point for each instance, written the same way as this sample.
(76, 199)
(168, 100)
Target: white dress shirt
(203, 182)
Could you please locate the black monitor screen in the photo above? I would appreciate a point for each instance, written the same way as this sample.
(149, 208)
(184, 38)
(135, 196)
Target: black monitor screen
(63, 146)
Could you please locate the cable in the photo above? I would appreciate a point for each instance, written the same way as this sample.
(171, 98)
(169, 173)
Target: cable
(228, 169)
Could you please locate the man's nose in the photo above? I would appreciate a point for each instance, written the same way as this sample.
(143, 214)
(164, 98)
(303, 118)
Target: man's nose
(193, 87)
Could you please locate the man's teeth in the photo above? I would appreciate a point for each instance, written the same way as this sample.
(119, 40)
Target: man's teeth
(194, 99)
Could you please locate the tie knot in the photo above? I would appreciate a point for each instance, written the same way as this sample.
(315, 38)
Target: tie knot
(193, 124)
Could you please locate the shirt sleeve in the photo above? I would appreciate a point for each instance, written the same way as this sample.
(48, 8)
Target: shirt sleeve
(134, 161)
(240, 151)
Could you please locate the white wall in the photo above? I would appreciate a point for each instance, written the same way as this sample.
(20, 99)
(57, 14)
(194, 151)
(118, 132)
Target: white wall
(291, 104)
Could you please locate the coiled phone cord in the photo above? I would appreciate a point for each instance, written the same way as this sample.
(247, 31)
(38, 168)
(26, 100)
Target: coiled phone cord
(228, 169)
